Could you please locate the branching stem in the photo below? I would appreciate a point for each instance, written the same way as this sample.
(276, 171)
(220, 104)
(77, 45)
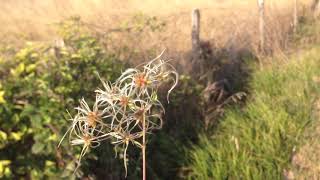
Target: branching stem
(144, 147)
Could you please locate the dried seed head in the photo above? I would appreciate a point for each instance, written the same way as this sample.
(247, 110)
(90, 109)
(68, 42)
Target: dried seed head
(124, 101)
(139, 114)
(87, 140)
(136, 89)
(140, 80)
(92, 119)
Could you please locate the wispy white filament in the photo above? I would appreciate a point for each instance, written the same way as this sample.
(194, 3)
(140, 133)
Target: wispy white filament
(119, 107)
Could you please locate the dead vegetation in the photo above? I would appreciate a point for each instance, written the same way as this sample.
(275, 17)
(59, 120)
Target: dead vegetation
(229, 24)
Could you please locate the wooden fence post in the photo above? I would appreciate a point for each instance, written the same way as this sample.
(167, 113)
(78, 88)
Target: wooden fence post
(295, 16)
(195, 34)
(315, 8)
(261, 25)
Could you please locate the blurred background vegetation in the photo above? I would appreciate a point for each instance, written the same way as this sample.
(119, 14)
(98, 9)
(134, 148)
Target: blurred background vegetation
(244, 124)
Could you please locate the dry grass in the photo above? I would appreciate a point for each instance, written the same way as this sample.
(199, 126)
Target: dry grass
(228, 24)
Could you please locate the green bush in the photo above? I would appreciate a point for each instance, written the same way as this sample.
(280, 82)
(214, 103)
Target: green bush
(256, 142)
(38, 84)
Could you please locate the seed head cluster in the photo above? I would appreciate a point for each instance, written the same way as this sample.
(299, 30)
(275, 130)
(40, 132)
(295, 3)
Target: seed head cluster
(124, 110)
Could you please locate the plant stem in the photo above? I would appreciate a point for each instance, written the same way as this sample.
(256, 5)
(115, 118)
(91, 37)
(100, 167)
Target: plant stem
(143, 147)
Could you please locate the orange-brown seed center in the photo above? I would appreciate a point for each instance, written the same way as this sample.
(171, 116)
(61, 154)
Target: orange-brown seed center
(92, 118)
(86, 139)
(124, 101)
(139, 114)
(140, 80)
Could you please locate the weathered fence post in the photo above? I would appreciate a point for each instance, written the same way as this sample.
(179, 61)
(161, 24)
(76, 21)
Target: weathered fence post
(295, 16)
(197, 64)
(195, 34)
(315, 8)
(261, 25)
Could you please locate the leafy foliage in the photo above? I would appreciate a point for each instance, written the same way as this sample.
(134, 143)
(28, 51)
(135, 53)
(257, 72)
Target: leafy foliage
(38, 83)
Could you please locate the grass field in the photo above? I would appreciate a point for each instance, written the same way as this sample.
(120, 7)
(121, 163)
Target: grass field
(225, 24)
(258, 141)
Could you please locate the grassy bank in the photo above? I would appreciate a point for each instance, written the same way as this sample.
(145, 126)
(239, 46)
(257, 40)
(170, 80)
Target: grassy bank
(256, 142)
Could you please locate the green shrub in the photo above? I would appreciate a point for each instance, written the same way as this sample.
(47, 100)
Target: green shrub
(256, 142)
(38, 84)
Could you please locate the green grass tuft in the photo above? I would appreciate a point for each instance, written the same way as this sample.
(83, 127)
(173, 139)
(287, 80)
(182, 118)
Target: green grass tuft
(256, 141)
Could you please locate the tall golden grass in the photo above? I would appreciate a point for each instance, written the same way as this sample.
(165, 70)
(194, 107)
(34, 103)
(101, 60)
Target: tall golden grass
(228, 24)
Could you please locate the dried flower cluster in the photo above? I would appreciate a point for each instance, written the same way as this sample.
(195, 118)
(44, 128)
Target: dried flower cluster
(124, 111)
